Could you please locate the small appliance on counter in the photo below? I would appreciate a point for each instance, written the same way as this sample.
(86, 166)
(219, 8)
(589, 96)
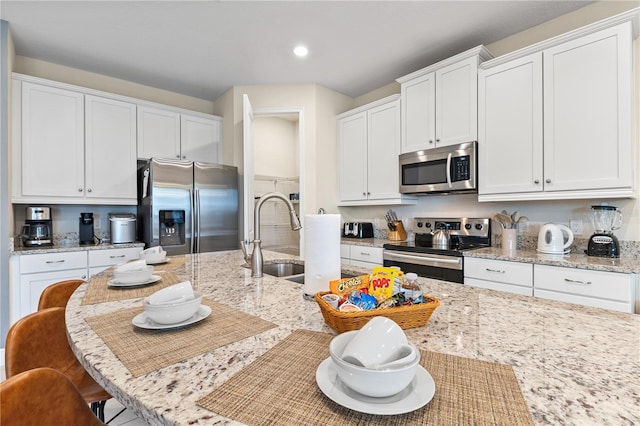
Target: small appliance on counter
(86, 234)
(605, 220)
(357, 230)
(37, 230)
(551, 239)
(123, 227)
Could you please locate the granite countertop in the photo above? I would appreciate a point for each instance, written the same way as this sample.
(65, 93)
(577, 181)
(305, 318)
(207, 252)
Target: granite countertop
(57, 248)
(575, 365)
(624, 264)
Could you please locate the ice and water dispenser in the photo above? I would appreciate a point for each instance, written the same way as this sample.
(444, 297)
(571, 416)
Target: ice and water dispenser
(172, 227)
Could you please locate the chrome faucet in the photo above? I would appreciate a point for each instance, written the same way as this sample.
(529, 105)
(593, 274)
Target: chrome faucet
(256, 257)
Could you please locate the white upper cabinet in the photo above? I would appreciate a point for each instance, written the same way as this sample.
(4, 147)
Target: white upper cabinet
(201, 138)
(439, 103)
(555, 119)
(52, 156)
(110, 140)
(72, 148)
(368, 148)
(170, 134)
(158, 133)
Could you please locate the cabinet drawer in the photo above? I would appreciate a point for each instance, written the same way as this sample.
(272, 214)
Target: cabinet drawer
(582, 282)
(345, 251)
(586, 301)
(491, 285)
(53, 262)
(367, 254)
(515, 273)
(113, 256)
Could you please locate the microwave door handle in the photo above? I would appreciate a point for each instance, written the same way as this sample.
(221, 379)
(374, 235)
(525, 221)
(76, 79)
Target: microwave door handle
(449, 170)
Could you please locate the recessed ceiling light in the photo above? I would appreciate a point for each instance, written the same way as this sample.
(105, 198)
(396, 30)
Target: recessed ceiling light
(300, 51)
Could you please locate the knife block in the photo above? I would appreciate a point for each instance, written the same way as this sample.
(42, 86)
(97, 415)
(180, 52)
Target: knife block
(399, 234)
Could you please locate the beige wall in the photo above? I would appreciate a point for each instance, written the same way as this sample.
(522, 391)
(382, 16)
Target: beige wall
(55, 72)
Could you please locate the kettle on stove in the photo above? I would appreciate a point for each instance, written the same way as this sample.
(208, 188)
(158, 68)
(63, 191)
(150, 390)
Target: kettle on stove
(551, 239)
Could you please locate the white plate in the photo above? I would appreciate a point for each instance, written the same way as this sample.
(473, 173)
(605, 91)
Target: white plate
(157, 262)
(152, 279)
(143, 321)
(419, 392)
(553, 252)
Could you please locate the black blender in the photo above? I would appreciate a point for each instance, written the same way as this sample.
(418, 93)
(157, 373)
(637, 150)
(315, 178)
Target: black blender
(603, 243)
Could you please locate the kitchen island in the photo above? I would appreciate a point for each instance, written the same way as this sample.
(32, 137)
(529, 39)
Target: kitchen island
(574, 364)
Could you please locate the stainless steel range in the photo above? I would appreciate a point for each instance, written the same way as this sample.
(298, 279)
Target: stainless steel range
(437, 251)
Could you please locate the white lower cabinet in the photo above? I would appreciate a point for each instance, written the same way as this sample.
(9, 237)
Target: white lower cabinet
(609, 290)
(30, 274)
(512, 277)
(362, 256)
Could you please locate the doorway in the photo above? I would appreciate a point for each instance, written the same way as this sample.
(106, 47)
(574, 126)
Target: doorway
(273, 162)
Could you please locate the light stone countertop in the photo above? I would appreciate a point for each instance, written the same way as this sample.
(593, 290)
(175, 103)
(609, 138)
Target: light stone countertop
(57, 248)
(623, 264)
(575, 365)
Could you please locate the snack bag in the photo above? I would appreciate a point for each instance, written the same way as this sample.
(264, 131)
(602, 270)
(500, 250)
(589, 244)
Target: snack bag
(382, 281)
(344, 286)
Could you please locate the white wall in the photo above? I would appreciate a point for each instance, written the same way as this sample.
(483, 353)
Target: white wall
(276, 147)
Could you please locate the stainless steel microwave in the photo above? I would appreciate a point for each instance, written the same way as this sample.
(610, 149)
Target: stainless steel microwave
(440, 170)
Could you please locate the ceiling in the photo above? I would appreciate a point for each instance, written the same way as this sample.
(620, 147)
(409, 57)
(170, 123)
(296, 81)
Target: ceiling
(203, 48)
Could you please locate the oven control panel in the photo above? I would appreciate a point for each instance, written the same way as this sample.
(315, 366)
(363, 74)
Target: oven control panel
(475, 227)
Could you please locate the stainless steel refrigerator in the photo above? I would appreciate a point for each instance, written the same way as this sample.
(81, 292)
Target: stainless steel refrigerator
(187, 207)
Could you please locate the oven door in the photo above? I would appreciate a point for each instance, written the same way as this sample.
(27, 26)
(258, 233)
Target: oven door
(446, 169)
(446, 268)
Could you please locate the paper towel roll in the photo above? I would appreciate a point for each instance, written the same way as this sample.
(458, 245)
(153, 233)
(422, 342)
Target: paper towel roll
(321, 251)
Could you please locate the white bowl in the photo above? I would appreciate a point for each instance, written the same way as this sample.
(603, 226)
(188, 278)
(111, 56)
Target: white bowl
(172, 294)
(154, 257)
(377, 342)
(133, 276)
(172, 313)
(367, 381)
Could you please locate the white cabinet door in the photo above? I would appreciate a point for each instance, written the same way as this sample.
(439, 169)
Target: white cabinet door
(201, 139)
(158, 133)
(456, 103)
(587, 112)
(418, 113)
(52, 142)
(352, 157)
(383, 149)
(510, 127)
(32, 285)
(110, 146)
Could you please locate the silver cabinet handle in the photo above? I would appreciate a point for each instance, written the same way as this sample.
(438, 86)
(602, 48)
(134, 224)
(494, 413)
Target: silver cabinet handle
(55, 261)
(84, 277)
(430, 140)
(577, 281)
(116, 257)
(537, 181)
(365, 254)
(79, 189)
(89, 190)
(437, 140)
(548, 181)
(495, 270)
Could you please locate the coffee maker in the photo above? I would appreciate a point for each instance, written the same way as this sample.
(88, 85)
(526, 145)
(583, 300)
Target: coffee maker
(37, 229)
(605, 220)
(86, 229)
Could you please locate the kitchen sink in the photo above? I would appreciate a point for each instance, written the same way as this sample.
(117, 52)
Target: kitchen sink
(283, 269)
(300, 278)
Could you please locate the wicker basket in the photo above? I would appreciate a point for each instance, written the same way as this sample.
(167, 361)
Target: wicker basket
(410, 316)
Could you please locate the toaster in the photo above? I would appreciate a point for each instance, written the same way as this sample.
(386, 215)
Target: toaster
(357, 230)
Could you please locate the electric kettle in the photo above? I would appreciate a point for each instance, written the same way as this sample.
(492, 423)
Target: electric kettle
(551, 239)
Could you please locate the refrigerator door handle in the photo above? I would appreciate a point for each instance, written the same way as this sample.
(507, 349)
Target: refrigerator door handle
(197, 210)
(193, 229)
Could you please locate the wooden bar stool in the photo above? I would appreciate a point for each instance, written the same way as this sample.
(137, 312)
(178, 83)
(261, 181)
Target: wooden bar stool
(43, 397)
(40, 340)
(58, 294)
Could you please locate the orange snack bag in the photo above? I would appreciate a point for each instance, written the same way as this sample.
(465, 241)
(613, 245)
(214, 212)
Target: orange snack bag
(381, 283)
(344, 286)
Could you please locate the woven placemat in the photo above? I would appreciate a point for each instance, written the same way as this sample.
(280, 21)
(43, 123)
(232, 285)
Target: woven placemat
(280, 388)
(172, 264)
(99, 290)
(143, 351)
